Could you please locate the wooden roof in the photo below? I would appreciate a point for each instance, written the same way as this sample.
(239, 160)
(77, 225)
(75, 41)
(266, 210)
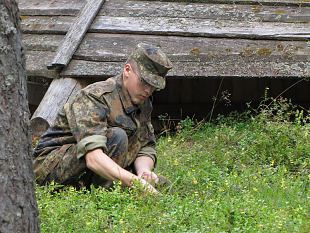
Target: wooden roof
(214, 38)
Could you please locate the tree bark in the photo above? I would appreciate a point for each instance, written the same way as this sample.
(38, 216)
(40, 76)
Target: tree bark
(18, 207)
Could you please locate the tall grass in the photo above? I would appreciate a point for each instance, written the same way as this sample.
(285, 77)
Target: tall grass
(241, 173)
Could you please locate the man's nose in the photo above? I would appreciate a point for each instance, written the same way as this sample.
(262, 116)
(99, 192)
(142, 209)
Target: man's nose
(149, 89)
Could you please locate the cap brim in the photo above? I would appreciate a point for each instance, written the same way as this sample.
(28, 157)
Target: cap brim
(154, 80)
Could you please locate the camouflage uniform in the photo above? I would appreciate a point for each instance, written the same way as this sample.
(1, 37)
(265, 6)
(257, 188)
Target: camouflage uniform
(101, 116)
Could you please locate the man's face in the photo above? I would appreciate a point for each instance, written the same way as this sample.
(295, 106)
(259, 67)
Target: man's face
(137, 88)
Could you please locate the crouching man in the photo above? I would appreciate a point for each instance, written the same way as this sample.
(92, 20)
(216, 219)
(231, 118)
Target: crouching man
(104, 133)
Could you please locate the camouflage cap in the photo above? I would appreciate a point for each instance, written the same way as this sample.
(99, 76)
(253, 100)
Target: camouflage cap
(153, 64)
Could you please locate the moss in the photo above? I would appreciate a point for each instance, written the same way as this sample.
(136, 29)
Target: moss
(264, 52)
(280, 12)
(195, 51)
(256, 9)
(247, 52)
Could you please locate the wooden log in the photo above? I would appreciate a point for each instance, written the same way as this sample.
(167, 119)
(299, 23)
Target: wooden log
(116, 48)
(154, 9)
(48, 7)
(237, 67)
(252, 2)
(201, 27)
(56, 96)
(173, 26)
(88, 69)
(76, 33)
(58, 25)
(247, 13)
(37, 42)
(36, 64)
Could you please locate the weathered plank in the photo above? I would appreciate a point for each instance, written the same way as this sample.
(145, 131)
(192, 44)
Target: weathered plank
(36, 64)
(39, 42)
(233, 12)
(237, 67)
(58, 93)
(173, 26)
(134, 8)
(76, 33)
(46, 24)
(252, 2)
(48, 7)
(201, 27)
(117, 47)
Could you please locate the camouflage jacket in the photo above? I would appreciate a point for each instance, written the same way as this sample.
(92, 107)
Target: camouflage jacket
(85, 119)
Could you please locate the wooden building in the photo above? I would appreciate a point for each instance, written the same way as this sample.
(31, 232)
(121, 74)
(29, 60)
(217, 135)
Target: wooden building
(235, 47)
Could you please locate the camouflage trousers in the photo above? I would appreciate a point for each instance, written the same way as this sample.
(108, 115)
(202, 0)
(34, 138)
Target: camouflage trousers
(62, 166)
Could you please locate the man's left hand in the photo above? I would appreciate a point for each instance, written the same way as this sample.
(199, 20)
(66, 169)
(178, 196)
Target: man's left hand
(149, 176)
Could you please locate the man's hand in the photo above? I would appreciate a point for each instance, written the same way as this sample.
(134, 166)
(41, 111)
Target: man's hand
(144, 166)
(148, 187)
(149, 176)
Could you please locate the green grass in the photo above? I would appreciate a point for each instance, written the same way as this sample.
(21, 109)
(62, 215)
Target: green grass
(236, 174)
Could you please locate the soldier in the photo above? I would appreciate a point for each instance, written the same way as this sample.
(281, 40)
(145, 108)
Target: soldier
(104, 133)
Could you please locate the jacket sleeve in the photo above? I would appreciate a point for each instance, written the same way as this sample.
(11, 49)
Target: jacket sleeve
(87, 118)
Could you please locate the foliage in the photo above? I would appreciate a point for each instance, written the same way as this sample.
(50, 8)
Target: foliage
(242, 173)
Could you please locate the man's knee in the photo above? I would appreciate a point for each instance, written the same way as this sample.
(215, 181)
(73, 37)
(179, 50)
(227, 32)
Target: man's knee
(60, 165)
(117, 141)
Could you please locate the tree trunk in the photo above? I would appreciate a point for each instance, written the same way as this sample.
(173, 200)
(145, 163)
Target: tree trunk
(18, 207)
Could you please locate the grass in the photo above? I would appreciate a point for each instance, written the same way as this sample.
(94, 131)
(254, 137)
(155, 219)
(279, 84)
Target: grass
(241, 173)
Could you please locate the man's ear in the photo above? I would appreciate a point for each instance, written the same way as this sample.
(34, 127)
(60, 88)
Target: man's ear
(127, 68)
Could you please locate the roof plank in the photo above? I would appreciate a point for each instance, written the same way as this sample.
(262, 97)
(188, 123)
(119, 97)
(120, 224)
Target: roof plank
(225, 68)
(116, 47)
(109, 51)
(36, 64)
(201, 27)
(252, 2)
(260, 13)
(39, 42)
(173, 26)
(48, 7)
(46, 24)
(134, 8)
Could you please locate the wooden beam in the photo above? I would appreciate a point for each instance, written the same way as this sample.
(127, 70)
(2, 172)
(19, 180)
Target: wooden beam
(58, 25)
(201, 27)
(247, 13)
(117, 47)
(252, 2)
(36, 64)
(76, 33)
(232, 67)
(48, 7)
(174, 26)
(111, 50)
(37, 42)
